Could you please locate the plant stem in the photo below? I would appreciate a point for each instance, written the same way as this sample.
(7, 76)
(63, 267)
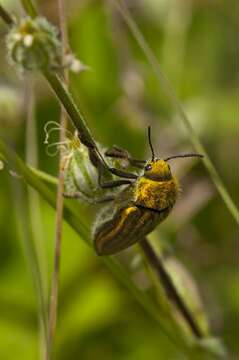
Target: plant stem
(60, 189)
(57, 255)
(43, 175)
(59, 86)
(167, 283)
(120, 4)
(30, 8)
(22, 216)
(6, 17)
(34, 206)
(65, 98)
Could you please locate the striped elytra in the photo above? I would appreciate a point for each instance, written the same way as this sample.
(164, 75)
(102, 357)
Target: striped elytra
(137, 210)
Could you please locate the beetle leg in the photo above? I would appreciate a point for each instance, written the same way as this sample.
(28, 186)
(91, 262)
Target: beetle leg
(115, 183)
(76, 195)
(100, 163)
(111, 184)
(123, 174)
(105, 199)
(119, 153)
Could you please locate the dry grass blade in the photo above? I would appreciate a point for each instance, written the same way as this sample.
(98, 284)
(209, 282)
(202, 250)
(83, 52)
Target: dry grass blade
(60, 189)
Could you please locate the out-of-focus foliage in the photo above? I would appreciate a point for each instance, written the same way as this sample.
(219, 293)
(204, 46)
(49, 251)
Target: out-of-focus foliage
(196, 42)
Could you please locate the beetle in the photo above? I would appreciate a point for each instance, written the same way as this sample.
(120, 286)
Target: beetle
(136, 210)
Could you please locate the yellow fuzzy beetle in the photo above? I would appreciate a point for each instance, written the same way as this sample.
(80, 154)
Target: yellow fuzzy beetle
(140, 207)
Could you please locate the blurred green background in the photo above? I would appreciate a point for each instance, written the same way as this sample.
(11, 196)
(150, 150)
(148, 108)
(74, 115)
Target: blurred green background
(196, 41)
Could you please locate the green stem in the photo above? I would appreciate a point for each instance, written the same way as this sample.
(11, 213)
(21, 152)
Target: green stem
(61, 91)
(65, 98)
(30, 8)
(7, 18)
(171, 291)
(34, 208)
(22, 216)
(178, 107)
(43, 175)
(58, 85)
(53, 308)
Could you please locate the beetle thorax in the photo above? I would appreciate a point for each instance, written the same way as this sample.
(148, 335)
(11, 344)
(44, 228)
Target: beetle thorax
(156, 195)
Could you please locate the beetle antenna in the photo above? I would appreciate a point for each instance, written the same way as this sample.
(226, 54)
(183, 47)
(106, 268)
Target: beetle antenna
(183, 156)
(150, 143)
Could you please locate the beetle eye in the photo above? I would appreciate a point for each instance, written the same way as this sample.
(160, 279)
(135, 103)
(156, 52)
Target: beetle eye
(148, 167)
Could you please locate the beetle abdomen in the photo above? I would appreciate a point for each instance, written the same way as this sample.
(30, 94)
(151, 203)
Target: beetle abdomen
(126, 227)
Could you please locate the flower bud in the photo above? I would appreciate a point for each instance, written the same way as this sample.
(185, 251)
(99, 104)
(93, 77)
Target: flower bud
(33, 44)
(81, 176)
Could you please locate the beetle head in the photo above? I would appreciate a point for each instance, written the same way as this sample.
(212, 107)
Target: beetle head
(159, 169)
